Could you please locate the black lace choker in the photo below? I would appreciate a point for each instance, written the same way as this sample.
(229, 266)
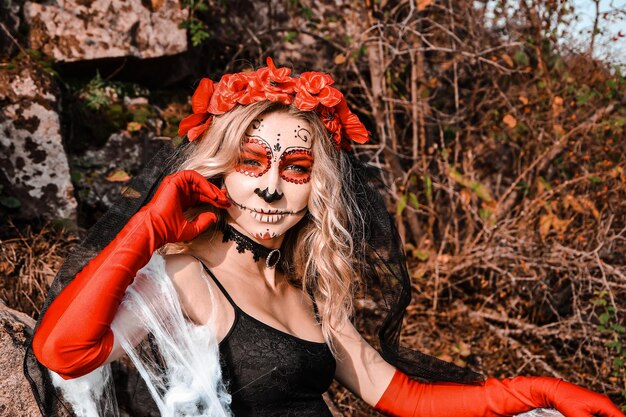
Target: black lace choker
(271, 256)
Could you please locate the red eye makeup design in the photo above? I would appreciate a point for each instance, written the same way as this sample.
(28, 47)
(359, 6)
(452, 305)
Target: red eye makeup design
(295, 165)
(255, 158)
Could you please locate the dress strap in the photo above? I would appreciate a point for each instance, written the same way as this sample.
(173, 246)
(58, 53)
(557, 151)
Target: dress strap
(219, 285)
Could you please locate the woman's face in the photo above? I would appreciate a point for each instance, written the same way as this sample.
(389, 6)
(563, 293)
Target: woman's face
(269, 185)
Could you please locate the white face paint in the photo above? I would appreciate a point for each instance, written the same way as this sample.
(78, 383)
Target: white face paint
(269, 186)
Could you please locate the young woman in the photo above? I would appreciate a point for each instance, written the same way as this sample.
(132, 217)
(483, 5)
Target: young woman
(264, 212)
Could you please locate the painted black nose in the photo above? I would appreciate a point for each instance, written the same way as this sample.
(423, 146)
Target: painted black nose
(267, 196)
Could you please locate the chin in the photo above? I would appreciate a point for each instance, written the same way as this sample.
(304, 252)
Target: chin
(266, 235)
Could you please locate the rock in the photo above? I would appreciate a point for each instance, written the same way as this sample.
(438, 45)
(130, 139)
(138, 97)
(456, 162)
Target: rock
(16, 397)
(76, 30)
(32, 160)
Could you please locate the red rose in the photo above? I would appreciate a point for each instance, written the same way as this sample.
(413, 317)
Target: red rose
(278, 75)
(274, 83)
(313, 88)
(227, 92)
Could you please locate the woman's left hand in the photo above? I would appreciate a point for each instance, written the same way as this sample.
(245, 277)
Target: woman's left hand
(575, 401)
(493, 398)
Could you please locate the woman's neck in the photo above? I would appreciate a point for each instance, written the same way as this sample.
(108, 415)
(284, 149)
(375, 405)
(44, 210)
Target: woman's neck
(226, 255)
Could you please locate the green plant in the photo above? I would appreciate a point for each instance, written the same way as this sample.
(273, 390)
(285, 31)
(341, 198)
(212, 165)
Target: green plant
(198, 30)
(408, 197)
(95, 93)
(616, 333)
(44, 62)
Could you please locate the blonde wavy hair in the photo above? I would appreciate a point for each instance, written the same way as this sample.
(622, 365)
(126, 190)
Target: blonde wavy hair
(319, 250)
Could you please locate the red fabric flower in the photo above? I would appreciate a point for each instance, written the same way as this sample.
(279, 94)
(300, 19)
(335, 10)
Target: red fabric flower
(279, 75)
(197, 123)
(331, 122)
(352, 126)
(198, 131)
(230, 89)
(194, 125)
(313, 88)
(202, 96)
(311, 91)
(275, 83)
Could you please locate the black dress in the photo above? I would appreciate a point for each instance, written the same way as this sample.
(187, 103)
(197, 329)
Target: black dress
(272, 373)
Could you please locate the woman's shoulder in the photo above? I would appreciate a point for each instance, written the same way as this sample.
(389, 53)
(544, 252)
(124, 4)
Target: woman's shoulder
(185, 271)
(182, 268)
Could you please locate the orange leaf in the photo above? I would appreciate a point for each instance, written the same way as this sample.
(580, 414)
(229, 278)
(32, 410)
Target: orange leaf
(560, 225)
(119, 175)
(340, 59)
(423, 4)
(466, 196)
(570, 201)
(508, 60)
(133, 127)
(545, 223)
(130, 192)
(558, 129)
(446, 65)
(592, 207)
(510, 121)
(464, 349)
(443, 258)
(557, 105)
(524, 100)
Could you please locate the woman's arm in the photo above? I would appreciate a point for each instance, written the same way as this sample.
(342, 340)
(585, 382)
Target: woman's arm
(185, 273)
(74, 336)
(362, 370)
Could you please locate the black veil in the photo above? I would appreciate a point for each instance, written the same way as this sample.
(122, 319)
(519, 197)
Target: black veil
(386, 279)
(138, 192)
(377, 245)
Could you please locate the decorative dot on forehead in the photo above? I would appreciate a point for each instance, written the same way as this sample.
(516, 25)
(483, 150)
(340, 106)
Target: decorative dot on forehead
(302, 133)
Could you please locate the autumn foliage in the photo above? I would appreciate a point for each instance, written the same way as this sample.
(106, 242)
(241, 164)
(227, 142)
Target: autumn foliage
(504, 157)
(505, 164)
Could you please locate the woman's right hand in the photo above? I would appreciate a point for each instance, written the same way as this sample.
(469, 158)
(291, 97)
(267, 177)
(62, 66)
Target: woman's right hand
(177, 193)
(75, 336)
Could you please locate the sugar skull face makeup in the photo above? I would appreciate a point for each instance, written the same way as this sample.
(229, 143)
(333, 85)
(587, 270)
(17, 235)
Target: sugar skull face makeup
(269, 185)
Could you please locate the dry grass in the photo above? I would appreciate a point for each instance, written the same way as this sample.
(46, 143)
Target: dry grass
(29, 260)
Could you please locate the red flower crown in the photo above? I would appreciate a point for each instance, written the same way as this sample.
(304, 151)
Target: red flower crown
(311, 91)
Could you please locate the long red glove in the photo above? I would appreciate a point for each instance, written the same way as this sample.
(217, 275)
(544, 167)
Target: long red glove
(493, 398)
(74, 336)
